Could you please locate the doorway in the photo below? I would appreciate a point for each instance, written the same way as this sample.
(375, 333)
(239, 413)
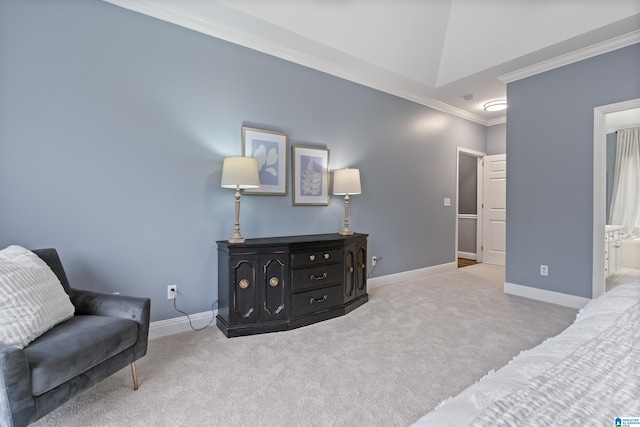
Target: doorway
(469, 196)
(599, 188)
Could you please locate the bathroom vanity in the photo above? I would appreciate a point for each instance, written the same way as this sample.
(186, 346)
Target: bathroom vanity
(612, 249)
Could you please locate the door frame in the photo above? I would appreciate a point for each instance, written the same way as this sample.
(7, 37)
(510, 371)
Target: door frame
(599, 188)
(480, 198)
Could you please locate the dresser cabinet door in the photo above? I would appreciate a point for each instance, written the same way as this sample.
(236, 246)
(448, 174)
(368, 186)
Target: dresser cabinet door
(350, 273)
(274, 286)
(361, 269)
(245, 295)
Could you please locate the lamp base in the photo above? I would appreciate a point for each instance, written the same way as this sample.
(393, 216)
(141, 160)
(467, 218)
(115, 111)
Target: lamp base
(237, 237)
(346, 232)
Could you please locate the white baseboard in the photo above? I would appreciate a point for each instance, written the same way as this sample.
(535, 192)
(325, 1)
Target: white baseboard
(467, 255)
(176, 325)
(180, 324)
(552, 297)
(389, 279)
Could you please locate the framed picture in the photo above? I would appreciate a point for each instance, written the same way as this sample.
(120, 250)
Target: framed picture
(270, 150)
(310, 175)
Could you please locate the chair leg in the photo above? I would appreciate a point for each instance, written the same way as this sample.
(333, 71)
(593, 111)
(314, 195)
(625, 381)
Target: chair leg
(135, 375)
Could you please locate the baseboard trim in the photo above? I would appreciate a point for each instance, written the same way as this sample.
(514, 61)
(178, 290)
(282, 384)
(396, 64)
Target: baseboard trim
(468, 255)
(552, 297)
(389, 279)
(162, 328)
(176, 325)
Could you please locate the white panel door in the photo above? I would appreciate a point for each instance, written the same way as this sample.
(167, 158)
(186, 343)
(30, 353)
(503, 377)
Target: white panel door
(495, 198)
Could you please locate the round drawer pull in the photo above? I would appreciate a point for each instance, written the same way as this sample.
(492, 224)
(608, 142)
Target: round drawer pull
(326, 256)
(350, 269)
(274, 281)
(312, 257)
(363, 266)
(244, 284)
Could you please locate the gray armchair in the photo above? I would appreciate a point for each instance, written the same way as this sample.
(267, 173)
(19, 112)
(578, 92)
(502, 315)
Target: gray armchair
(107, 333)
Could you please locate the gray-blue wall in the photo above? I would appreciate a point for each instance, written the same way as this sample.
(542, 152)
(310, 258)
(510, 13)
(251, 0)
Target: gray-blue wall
(496, 139)
(550, 174)
(113, 127)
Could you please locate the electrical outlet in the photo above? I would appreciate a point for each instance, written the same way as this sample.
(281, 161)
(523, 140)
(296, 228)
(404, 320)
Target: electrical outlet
(374, 260)
(172, 291)
(544, 270)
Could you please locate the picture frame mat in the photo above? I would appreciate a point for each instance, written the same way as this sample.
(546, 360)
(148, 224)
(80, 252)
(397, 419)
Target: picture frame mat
(254, 139)
(299, 171)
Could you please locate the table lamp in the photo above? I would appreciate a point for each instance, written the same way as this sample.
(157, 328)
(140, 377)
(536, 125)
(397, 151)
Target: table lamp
(346, 181)
(239, 172)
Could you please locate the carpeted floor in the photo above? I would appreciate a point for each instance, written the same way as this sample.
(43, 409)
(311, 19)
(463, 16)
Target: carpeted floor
(385, 364)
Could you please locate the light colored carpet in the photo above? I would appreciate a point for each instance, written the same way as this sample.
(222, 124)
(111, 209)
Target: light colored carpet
(385, 364)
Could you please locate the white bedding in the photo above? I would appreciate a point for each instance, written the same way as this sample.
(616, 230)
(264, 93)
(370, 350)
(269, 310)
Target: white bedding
(587, 375)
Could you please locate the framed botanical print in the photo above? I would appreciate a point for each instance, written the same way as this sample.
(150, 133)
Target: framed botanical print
(270, 150)
(310, 175)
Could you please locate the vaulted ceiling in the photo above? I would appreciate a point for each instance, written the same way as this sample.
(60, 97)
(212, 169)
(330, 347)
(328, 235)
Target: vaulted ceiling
(434, 52)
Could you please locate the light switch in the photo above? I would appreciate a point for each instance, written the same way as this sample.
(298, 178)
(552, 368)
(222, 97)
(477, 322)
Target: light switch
(447, 201)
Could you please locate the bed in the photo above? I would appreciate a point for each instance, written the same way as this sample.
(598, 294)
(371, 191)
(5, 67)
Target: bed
(587, 375)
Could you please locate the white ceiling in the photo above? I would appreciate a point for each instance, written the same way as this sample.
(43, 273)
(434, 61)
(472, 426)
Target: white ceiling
(433, 52)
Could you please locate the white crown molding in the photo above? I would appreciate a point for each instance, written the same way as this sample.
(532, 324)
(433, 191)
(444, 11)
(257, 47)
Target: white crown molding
(422, 100)
(578, 55)
(498, 121)
(248, 40)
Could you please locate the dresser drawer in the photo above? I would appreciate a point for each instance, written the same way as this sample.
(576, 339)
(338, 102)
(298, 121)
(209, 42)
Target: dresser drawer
(314, 277)
(316, 300)
(310, 258)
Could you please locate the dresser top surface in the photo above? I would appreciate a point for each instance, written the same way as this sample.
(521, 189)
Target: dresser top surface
(287, 240)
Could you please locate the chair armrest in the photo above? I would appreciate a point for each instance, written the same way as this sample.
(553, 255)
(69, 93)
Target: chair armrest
(17, 407)
(112, 305)
(123, 307)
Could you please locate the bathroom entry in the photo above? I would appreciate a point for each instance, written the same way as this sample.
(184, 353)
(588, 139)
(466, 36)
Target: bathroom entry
(622, 260)
(604, 118)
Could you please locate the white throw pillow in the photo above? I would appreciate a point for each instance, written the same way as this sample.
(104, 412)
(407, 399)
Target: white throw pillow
(32, 299)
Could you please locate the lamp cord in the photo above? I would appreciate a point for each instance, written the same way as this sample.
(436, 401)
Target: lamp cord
(213, 314)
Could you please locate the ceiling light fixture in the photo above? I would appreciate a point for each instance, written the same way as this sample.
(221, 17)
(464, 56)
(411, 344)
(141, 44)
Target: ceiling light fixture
(496, 105)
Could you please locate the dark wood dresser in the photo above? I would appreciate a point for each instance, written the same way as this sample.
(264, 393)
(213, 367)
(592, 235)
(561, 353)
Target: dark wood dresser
(280, 283)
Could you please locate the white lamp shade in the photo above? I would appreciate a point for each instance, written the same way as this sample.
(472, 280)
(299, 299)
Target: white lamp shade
(240, 172)
(346, 181)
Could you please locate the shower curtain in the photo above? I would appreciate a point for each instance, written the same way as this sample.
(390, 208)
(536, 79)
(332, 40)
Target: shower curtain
(625, 202)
